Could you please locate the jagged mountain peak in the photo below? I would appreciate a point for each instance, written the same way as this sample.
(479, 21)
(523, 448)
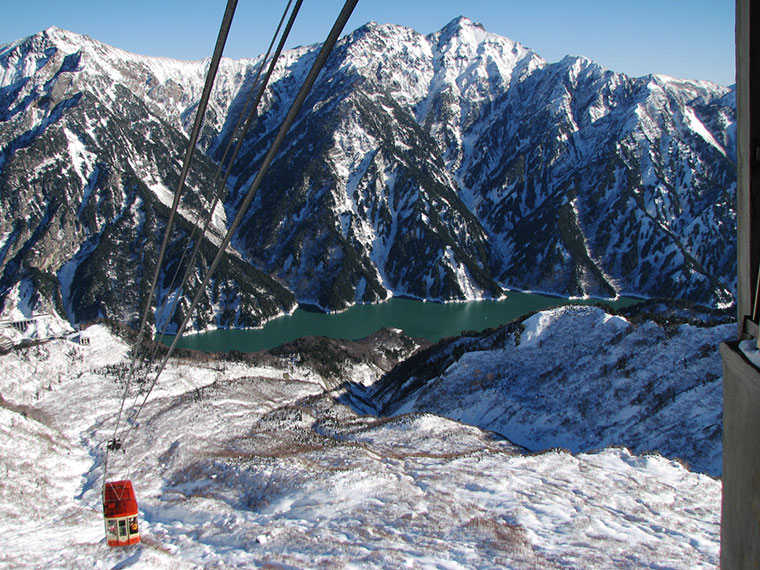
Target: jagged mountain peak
(441, 166)
(477, 63)
(56, 34)
(169, 86)
(577, 64)
(467, 38)
(388, 40)
(690, 91)
(43, 44)
(373, 27)
(460, 26)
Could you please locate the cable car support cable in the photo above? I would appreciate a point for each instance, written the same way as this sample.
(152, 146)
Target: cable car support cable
(258, 88)
(210, 77)
(243, 207)
(216, 186)
(240, 138)
(203, 104)
(119, 503)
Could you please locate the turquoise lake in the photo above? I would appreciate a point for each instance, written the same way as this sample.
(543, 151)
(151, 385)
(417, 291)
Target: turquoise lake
(432, 321)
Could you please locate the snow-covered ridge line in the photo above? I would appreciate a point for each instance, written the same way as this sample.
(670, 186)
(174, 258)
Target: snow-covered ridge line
(451, 166)
(581, 379)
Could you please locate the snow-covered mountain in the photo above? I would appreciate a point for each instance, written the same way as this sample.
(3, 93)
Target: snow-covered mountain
(446, 166)
(268, 462)
(576, 378)
(91, 138)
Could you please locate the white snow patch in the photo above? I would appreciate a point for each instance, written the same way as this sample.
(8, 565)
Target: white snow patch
(696, 125)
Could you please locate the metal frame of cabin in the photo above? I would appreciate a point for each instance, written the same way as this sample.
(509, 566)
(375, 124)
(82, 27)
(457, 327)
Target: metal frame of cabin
(740, 515)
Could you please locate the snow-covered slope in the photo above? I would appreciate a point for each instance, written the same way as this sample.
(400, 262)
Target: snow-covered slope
(256, 464)
(577, 378)
(90, 143)
(445, 166)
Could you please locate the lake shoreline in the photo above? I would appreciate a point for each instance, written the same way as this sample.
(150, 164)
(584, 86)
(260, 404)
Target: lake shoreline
(430, 320)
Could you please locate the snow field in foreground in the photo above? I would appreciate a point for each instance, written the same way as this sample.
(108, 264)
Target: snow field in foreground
(236, 466)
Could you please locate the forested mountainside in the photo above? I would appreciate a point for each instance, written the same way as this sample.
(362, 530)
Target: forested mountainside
(447, 166)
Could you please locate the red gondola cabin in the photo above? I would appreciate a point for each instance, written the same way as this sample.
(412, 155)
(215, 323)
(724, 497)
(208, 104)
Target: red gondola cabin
(120, 510)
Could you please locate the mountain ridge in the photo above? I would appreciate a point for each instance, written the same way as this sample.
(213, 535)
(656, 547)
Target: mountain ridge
(447, 166)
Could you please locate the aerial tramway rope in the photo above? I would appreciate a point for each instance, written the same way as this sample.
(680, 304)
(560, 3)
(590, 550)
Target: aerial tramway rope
(258, 88)
(203, 104)
(217, 187)
(251, 115)
(279, 139)
(243, 207)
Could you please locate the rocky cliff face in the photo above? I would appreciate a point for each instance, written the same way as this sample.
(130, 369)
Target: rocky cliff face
(447, 166)
(490, 168)
(91, 141)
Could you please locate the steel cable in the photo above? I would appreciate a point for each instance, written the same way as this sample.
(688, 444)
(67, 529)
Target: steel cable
(216, 186)
(242, 209)
(203, 104)
(217, 195)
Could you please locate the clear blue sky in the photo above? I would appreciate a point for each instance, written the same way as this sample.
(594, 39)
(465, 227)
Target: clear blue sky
(691, 39)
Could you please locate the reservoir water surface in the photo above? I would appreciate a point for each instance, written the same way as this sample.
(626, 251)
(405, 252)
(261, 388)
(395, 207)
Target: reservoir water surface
(432, 321)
